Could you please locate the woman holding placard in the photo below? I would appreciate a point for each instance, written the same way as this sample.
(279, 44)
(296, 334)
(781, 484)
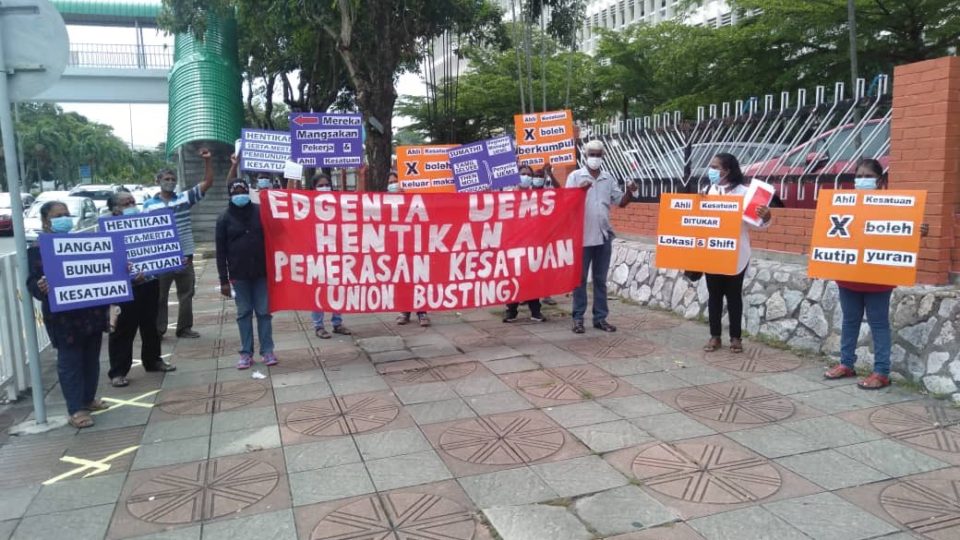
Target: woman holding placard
(77, 335)
(726, 179)
(859, 299)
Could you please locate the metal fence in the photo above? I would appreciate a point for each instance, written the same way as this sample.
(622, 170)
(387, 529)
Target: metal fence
(14, 371)
(95, 55)
(796, 143)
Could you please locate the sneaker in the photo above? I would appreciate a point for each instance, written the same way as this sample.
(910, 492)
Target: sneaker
(605, 326)
(190, 334)
(403, 319)
(424, 321)
(578, 327)
(245, 361)
(539, 317)
(322, 333)
(510, 317)
(270, 359)
(342, 330)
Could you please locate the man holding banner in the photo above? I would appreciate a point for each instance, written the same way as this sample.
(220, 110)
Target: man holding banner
(602, 192)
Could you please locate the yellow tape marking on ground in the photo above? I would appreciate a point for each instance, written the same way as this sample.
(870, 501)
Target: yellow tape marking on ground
(135, 402)
(94, 467)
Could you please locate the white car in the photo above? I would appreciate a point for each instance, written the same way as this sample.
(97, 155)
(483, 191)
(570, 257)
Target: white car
(82, 210)
(98, 193)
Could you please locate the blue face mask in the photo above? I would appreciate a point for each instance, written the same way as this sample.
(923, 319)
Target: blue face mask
(865, 182)
(714, 176)
(393, 188)
(240, 199)
(263, 183)
(132, 210)
(525, 180)
(537, 182)
(62, 224)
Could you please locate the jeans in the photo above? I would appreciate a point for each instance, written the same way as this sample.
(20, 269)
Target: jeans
(729, 287)
(78, 368)
(877, 307)
(420, 314)
(186, 281)
(597, 258)
(251, 296)
(138, 314)
(317, 317)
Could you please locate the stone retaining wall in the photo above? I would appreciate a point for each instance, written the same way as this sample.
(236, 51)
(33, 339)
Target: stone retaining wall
(782, 304)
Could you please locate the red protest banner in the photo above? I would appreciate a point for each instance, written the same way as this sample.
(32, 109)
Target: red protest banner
(375, 252)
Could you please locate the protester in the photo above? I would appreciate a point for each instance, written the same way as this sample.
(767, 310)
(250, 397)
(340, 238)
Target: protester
(857, 299)
(186, 279)
(512, 312)
(264, 181)
(542, 179)
(323, 184)
(726, 179)
(77, 335)
(241, 261)
(137, 314)
(393, 186)
(602, 192)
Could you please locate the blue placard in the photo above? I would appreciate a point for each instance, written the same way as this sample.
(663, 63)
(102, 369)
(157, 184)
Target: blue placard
(264, 151)
(483, 165)
(85, 270)
(326, 140)
(151, 240)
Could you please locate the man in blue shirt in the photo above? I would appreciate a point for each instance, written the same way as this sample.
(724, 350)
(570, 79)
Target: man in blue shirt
(180, 203)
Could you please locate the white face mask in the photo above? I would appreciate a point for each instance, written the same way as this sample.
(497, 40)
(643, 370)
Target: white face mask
(594, 163)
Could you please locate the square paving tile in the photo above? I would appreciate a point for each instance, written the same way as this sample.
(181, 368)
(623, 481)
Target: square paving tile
(672, 427)
(274, 525)
(478, 385)
(171, 452)
(80, 493)
(321, 454)
(343, 415)
(14, 501)
(7, 527)
(407, 470)
(627, 366)
(621, 510)
(776, 441)
(833, 400)
(244, 441)
(672, 531)
(176, 379)
(440, 411)
(330, 483)
(358, 385)
(609, 436)
(423, 393)
(120, 417)
(892, 458)
(580, 414)
(635, 406)
(507, 488)
(655, 382)
(536, 521)
(306, 392)
(397, 442)
(244, 419)
(831, 431)
(212, 398)
(579, 476)
(701, 375)
(511, 365)
(788, 383)
(172, 430)
(301, 378)
(353, 370)
(82, 523)
(500, 402)
(831, 470)
(816, 515)
(746, 524)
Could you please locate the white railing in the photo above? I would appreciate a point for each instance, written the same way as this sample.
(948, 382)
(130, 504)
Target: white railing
(14, 369)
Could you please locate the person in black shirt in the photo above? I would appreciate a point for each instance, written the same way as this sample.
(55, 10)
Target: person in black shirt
(241, 262)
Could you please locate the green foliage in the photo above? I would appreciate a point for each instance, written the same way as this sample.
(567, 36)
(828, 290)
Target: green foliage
(55, 143)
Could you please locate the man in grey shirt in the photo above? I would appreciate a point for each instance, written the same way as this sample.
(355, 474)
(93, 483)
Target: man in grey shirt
(602, 192)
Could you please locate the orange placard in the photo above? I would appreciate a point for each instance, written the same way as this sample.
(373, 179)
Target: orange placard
(867, 236)
(700, 233)
(545, 137)
(425, 169)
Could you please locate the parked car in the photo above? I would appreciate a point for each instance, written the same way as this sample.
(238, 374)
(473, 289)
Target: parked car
(829, 146)
(82, 209)
(97, 193)
(6, 211)
(671, 164)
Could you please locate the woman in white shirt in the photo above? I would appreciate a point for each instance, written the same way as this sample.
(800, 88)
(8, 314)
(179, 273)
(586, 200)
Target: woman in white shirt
(726, 179)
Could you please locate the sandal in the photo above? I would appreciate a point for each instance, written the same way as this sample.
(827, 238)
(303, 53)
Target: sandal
(839, 371)
(874, 381)
(736, 345)
(97, 405)
(119, 382)
(80, 420)
(712, 345)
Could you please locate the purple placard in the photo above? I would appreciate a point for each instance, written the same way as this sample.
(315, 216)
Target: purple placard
(483, 165)
(264, 151)
(151, 240)
(85, 270)
(326, 140)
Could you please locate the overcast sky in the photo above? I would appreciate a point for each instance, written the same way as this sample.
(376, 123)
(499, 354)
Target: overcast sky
(149, 122)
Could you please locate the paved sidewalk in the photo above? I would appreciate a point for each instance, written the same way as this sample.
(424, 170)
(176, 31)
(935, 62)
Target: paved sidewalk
(475, 429)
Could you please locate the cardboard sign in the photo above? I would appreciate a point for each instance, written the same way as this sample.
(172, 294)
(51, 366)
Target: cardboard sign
(326, 140)
(867, 236)
(759, 194)
(151, 240)
(292, 170)
(545, 137)
(85, 270)
(389, 252)
(263, 151)
(483, 165)
(700, 233)
(425, 169)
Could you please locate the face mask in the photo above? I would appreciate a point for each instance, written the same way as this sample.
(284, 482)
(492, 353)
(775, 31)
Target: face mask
(324, 188)
(131, 211)
(240, 199)
(62, 224)
(393, 188)
(594, 163)
(263, 183)
(865, 183)
(714, 176)
(537, 182)
(169, 187)
(525, 180)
